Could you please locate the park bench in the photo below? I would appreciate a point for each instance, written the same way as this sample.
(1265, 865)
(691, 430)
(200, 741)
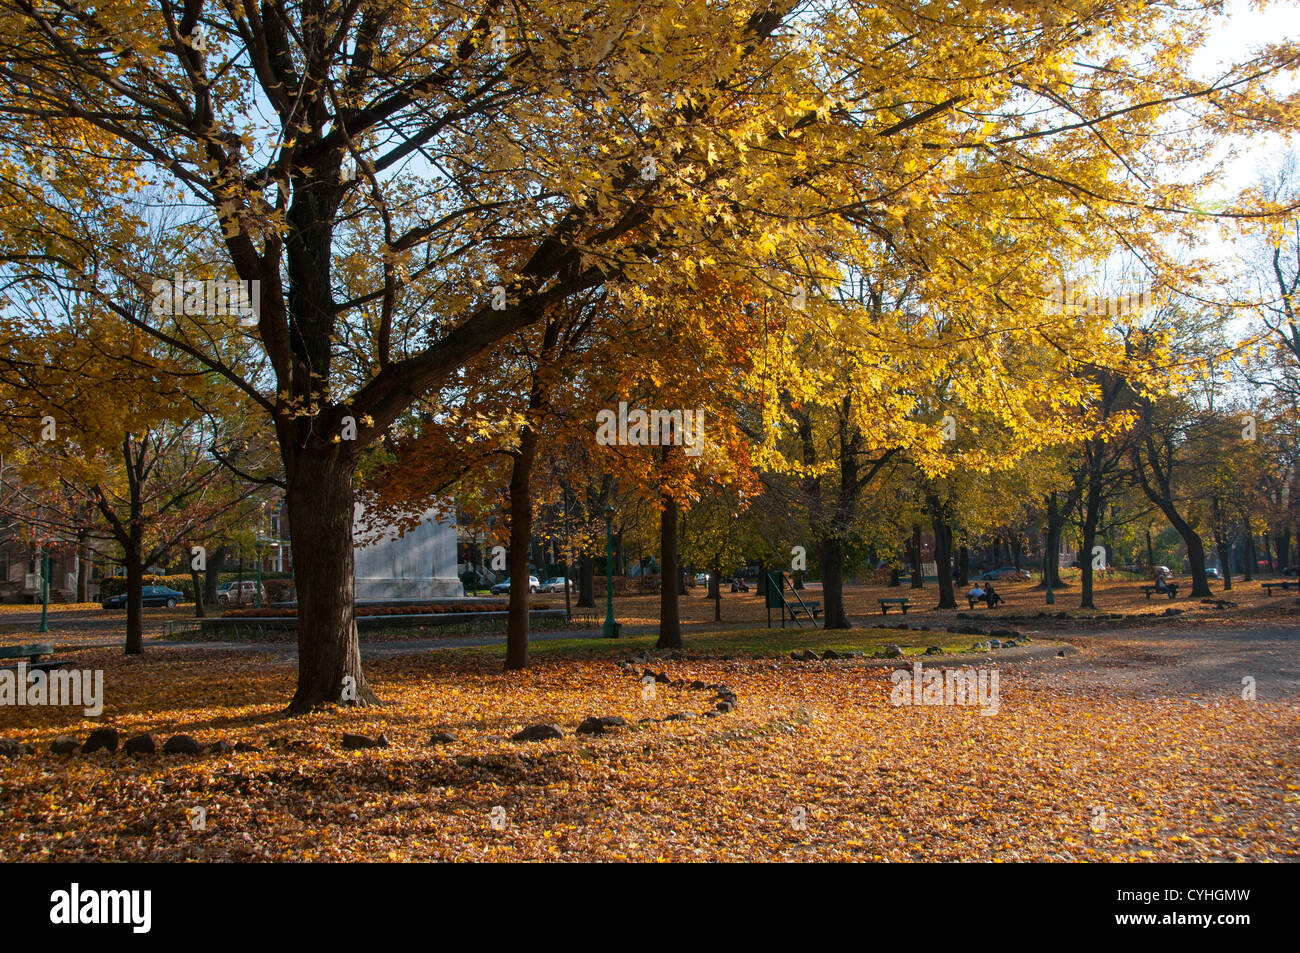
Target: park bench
(901, 602)
(31, 653)
(810, 609)
(1147, 590)
(1284, 586)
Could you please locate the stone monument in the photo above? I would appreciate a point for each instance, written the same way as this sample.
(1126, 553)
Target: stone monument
(417, 564)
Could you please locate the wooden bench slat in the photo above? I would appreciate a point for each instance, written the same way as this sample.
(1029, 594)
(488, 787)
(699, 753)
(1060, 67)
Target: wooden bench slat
(26, 651)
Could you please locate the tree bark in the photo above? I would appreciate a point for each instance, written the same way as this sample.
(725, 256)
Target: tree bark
(586, 581)
(830, 557)
(1091, 515)
(1195, 550)
(321, 509)
(134, 560)
(521, 534)
(1055, 526)
(918, 577)
(942, 552)
(212, 576)
(670, 623)
(83, 568)
(715, 589)
(196, 581)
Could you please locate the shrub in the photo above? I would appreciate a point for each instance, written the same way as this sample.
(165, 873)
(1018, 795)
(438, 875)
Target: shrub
(116, 585)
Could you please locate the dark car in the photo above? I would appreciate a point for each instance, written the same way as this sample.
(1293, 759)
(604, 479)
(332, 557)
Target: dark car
(153, 596)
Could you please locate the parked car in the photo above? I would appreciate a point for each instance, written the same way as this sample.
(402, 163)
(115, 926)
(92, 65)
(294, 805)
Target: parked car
(1162, 571)
(241, 593)
(1291, 570)
(152, 596)
(503, 587)
(555, 584)
(1006, 574)
(1212, 572)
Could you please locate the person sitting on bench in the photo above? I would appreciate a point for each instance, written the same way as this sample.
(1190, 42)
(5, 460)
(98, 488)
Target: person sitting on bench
(1166, 587)
(975, 595)
(991, 597)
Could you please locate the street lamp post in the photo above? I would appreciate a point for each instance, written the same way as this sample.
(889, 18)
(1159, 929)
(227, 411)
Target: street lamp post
(611, 627)
(45, 594)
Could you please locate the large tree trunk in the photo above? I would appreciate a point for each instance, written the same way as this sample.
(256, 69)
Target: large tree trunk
(1195, 550)
(1283, 547)
(1091, 515)
(521, 534)
(212, 576)
(586, 581)
(942, 553)
(134, 559)
(1252, 560)
(963, 566)
(670, 623)
(1055, 525)
(830, 558)
(1225, 563)
(320, 501)
(196, 581)
(715, 589)
(84, 564)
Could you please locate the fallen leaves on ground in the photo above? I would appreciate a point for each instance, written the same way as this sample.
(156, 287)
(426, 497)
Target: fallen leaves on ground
(814, 764)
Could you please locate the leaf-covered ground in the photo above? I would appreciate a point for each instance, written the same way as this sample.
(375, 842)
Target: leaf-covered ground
(1084, 760)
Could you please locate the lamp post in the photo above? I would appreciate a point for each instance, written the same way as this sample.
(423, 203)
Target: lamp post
(45, 593)
(611, 627)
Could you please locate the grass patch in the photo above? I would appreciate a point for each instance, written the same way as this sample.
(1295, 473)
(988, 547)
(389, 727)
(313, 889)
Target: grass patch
(756, 643)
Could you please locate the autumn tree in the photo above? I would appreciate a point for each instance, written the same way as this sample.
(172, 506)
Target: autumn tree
(410, 183)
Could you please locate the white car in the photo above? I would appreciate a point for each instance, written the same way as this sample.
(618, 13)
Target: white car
(241, 593)
(503, 587)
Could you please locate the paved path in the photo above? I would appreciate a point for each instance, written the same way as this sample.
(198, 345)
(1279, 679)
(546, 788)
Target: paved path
(1155, 661)
(1147, 660)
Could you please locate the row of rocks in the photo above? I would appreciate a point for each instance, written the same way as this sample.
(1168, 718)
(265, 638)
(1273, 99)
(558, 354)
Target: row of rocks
(109, 739)
(991, 644)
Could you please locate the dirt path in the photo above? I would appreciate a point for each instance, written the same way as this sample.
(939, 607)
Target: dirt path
(1185, 661)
